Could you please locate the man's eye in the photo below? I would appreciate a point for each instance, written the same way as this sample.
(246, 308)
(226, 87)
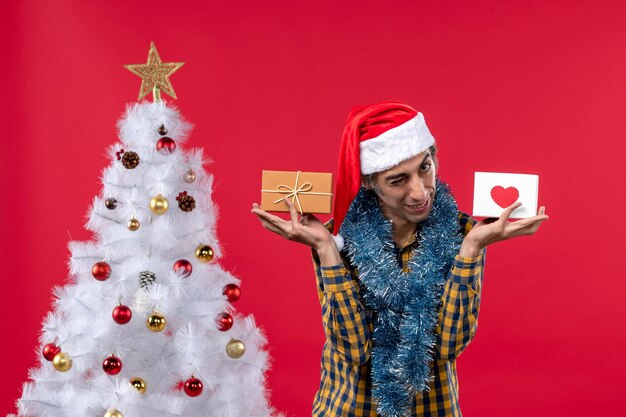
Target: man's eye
(425, 167)
(397, 181)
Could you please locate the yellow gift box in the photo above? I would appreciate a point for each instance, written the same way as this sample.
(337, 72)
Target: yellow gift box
(310, 192)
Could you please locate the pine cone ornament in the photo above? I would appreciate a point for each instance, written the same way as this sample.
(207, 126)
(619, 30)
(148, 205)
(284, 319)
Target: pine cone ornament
(186, 202)
(146, 279)
(130, 160)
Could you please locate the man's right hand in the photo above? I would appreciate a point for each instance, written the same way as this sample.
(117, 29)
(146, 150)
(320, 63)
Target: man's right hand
(308, 230)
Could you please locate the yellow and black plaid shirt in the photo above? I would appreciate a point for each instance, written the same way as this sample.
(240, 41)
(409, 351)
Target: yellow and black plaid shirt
(346, 384)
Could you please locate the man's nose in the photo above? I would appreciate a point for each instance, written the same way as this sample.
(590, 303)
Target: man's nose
(417, 189)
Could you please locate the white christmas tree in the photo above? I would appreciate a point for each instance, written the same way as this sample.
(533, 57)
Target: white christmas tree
(145, 327)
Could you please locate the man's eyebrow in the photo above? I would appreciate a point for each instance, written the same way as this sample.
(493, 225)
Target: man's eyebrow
(428, 155)
(395, 177)
(403, 174)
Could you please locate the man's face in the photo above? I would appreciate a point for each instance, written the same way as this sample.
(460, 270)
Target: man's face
(406, 191)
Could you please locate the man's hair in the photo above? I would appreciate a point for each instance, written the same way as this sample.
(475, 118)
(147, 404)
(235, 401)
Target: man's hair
(369, 181)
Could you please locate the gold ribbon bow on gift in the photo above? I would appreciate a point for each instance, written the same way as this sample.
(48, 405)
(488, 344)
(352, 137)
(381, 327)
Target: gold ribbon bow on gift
(293, 193)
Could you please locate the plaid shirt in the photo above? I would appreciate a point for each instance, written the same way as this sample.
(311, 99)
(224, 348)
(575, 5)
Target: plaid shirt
(346, 384)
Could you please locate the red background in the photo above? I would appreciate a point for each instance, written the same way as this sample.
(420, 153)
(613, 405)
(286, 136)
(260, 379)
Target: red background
(517, 86)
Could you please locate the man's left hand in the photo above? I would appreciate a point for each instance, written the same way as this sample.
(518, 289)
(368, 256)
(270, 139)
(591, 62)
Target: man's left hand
(492, 230)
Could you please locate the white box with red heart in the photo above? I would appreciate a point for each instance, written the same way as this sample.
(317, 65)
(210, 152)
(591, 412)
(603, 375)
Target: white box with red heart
(494, 191)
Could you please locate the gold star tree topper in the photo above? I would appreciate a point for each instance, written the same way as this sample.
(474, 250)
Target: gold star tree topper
(155, 75)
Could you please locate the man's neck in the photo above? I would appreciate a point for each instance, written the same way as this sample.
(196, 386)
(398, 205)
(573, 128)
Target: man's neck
(403, 232)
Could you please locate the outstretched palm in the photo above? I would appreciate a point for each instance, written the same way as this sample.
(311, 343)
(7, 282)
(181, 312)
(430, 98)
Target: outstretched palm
(493, 230)
(309, 230)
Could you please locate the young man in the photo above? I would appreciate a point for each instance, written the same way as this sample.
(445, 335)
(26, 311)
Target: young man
(400, 282)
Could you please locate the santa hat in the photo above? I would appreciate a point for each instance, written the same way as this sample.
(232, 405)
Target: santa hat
(376, 138)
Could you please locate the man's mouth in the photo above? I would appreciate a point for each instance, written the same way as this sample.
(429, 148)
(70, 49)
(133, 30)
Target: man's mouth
(419, 207)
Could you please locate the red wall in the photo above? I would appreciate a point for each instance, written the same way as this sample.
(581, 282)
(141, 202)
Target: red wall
(533, 87)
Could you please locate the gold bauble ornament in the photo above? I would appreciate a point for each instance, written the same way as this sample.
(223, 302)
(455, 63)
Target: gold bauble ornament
(190, 176)
(113, 413)
(62, 362)
(156, 322)
(159, 204)
(139, 384)
(235, 348)
(204, 253)
(133, 224)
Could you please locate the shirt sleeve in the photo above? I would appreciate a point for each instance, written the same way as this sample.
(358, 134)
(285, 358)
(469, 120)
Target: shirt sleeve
(458, 315)
(343, 315)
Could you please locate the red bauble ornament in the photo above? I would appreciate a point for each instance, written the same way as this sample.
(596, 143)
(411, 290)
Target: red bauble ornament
(232, 293)
(193, 387)
(122, 314)
(112, 365)
(49, 351)
(183, 266)
(101, 271)
(165, 145)
(224, 322)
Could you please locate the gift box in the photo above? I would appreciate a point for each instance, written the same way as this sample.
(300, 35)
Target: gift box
(310, 192)
(495, 191)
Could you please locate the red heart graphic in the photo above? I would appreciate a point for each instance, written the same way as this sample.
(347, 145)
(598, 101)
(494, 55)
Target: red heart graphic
(504, 197)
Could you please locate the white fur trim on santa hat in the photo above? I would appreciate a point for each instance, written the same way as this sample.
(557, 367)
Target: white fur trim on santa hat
(395, 145)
